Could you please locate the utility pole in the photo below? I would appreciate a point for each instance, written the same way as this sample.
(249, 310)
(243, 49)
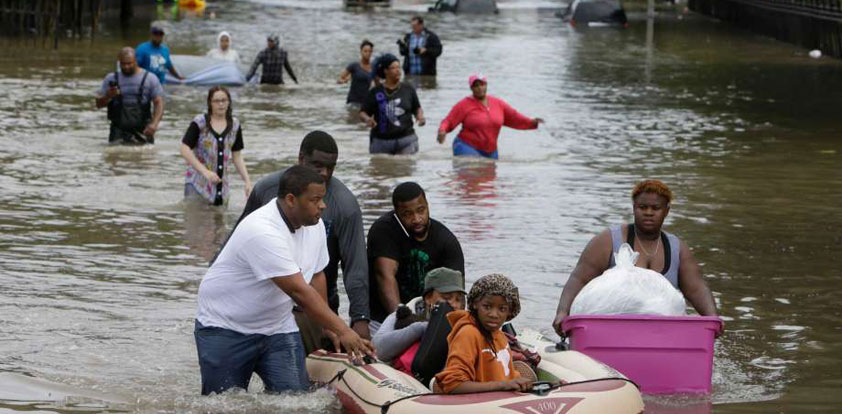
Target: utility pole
(650, 39)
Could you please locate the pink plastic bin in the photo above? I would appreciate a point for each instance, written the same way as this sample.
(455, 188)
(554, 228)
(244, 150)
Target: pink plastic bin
(662, 354)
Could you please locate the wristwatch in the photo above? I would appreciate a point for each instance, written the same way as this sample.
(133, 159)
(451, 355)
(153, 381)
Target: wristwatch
(356, 319)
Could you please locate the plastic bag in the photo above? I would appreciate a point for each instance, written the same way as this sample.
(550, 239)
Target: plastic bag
(626, 289)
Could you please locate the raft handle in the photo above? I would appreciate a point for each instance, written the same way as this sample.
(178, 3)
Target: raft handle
(561, 345)
(541, 388)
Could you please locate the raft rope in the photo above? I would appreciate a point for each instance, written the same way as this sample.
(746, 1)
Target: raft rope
(565, 384)
(384, 408)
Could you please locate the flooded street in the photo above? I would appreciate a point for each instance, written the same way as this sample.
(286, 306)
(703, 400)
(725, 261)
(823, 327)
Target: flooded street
(100, 260)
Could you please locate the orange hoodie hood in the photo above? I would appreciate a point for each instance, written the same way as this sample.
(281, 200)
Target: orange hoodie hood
(458, 320)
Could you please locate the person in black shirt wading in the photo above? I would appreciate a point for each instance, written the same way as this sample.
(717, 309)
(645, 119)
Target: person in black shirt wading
(359, 73)
(388, 111)
(128, 94)
(274, 60)
(211, 142)
(403, 245)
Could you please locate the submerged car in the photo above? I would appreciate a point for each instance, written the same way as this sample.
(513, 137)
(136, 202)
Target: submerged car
(465, 6)
(368, 3)
(595, 13)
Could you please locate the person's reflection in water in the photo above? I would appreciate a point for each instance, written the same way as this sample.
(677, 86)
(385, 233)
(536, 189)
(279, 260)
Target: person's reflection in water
(474, 181)
(474, 185)
(204, 228)
(422, 82)
(123, 160)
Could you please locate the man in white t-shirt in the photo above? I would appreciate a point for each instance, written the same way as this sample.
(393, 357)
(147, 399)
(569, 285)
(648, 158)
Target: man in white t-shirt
(273, 260)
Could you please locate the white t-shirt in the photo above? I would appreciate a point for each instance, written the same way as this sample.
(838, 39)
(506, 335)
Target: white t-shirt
(237, 292)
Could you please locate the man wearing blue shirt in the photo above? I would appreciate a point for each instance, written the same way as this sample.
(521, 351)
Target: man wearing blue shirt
(154, 56)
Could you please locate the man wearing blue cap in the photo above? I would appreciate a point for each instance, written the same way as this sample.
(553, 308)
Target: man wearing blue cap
(154, 56)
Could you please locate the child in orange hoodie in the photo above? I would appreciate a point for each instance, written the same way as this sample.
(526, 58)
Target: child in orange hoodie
(478, 358)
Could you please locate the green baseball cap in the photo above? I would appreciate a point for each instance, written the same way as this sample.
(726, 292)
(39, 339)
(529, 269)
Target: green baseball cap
(444, 280)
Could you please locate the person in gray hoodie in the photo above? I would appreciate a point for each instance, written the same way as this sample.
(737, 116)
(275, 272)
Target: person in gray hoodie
(395, 336)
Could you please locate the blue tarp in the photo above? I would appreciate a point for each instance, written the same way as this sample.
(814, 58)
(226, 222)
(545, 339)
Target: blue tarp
(205, 71)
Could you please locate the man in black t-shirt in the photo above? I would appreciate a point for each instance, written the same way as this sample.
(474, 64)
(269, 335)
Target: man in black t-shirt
(403, 245)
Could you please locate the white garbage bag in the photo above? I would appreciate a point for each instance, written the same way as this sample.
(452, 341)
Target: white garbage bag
(628, 290)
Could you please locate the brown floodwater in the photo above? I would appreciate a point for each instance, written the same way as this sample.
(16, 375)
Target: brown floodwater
(100, 260)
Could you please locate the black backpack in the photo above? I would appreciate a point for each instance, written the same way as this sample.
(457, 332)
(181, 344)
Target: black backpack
(432, 353)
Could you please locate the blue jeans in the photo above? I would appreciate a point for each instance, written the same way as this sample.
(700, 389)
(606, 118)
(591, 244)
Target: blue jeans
(461, 148)
(227, 359)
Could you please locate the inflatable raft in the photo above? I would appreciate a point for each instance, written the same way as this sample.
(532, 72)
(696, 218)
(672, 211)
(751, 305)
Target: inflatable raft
(376, 388)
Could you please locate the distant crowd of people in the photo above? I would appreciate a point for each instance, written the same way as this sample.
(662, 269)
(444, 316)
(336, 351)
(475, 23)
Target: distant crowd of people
(387, 105)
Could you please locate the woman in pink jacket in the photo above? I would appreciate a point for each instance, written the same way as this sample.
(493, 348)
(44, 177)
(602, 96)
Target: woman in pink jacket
(481, 116)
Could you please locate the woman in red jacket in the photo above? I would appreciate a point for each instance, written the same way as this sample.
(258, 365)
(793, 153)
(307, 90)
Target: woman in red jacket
(481, 116)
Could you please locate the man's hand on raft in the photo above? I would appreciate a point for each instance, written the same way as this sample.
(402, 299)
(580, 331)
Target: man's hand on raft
(356, 347)
(334, 339)
(559, 318)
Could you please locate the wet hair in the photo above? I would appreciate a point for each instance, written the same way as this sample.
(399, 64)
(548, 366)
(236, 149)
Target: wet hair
(318, 140)
(418, 19)
(365, 43)
(296, 179)
(126, 52)
(229, 114)
(652, 186)
(382, 63)
(405, 192)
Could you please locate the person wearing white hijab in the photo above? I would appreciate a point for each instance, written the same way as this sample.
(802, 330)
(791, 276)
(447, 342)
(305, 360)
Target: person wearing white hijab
(223, 51)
